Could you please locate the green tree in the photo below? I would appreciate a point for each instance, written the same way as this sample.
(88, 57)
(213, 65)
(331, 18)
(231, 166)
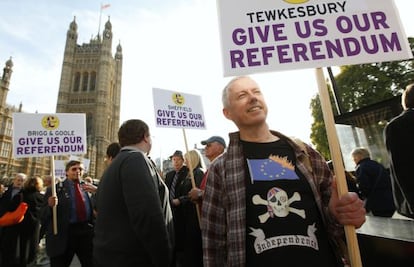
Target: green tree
(359, 86)
(318, 130)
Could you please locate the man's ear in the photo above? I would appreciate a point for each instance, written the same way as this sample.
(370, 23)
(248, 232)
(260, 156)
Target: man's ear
(226, 113)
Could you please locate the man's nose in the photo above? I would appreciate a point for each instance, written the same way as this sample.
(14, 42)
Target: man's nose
(252, 97)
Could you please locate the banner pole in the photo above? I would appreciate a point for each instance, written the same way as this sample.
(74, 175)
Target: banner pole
(191, 173)
(53, 186)
(350, 234)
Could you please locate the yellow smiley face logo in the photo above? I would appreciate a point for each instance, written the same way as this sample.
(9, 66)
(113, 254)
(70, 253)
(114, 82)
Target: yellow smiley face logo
(50, 122)
(296, 1)
(178, 99)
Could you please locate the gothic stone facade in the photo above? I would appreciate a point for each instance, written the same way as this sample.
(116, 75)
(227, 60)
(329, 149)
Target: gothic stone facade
(91, 84)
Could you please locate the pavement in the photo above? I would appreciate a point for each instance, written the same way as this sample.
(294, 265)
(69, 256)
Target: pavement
(43, 260)
(75, 263)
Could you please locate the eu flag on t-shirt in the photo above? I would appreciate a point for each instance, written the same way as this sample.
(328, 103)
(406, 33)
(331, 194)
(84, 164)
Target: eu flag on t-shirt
(270, 170)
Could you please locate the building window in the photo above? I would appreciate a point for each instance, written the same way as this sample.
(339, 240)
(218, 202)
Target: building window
(6, 150)
(8, 131)
(85, 82)
(3, 152)
(92, 82)
(77, 82)
(89, 126)
(3, 126)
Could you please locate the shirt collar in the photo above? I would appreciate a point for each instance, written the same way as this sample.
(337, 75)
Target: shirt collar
(133, 148)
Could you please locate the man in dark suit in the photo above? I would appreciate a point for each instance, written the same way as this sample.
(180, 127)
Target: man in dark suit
(134, 221)
(399, 140)
(179, 188)
(74, 220)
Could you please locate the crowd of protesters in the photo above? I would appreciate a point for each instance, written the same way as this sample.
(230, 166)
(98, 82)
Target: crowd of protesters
(261, 187)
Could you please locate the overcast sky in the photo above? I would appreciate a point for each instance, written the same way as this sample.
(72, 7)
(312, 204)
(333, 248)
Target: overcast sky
(168, 44)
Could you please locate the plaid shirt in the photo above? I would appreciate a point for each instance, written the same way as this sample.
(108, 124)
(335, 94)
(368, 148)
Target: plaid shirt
(224, 210)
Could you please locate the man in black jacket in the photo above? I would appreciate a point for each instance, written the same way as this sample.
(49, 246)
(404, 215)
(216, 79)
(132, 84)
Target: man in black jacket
(399, 140)
(134, 221)
(179, 188)
(374, 182)
(74, 219)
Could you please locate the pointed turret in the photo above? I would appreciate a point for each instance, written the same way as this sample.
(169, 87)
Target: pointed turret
(107, 33)
(68, 61)
(5, 82)
(72, 33)
(118, 54)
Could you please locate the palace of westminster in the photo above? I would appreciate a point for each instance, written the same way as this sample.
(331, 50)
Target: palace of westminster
(90, 83)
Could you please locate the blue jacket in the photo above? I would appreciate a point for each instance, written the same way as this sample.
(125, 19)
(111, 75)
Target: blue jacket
(56, 244)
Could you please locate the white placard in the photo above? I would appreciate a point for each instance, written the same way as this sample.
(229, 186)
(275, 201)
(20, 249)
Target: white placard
(272, 35)
(38, 135)
(60, 168)
(178, 110)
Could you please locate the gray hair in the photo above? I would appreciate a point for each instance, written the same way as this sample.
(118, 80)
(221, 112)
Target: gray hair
(225, 93)
(21, 175)
(361, 151)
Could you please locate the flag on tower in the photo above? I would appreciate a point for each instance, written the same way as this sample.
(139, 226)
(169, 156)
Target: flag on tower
(105, 6)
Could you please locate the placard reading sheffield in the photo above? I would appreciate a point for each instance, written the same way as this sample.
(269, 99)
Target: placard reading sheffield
(269, 35)
(177, 110)
(37, 135)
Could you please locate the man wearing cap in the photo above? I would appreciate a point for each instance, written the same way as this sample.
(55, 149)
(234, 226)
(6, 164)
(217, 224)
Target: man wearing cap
(214, 147)
(175, 181)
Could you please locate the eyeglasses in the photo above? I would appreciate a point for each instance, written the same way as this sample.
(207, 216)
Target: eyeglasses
(76, 168)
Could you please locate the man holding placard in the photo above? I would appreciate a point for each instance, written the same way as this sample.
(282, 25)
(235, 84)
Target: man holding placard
(269, 199)
(74, 219)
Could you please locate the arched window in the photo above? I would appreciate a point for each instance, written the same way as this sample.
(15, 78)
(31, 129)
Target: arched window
(85, 81)
(89, 127)
(76, 82)
(92, 83)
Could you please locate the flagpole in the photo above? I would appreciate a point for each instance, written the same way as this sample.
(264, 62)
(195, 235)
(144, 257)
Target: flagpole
(100, 17)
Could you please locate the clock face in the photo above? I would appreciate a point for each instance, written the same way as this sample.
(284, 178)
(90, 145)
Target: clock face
(107, 34)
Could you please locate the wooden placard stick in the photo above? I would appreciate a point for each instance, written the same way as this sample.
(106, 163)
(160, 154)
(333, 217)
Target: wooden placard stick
(53, 186)
(334, 147)
(191, 174)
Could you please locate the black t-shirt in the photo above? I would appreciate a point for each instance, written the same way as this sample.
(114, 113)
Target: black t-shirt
(283, 223)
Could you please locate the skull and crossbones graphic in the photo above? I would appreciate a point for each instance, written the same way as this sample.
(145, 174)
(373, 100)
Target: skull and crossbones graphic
(277, 204)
